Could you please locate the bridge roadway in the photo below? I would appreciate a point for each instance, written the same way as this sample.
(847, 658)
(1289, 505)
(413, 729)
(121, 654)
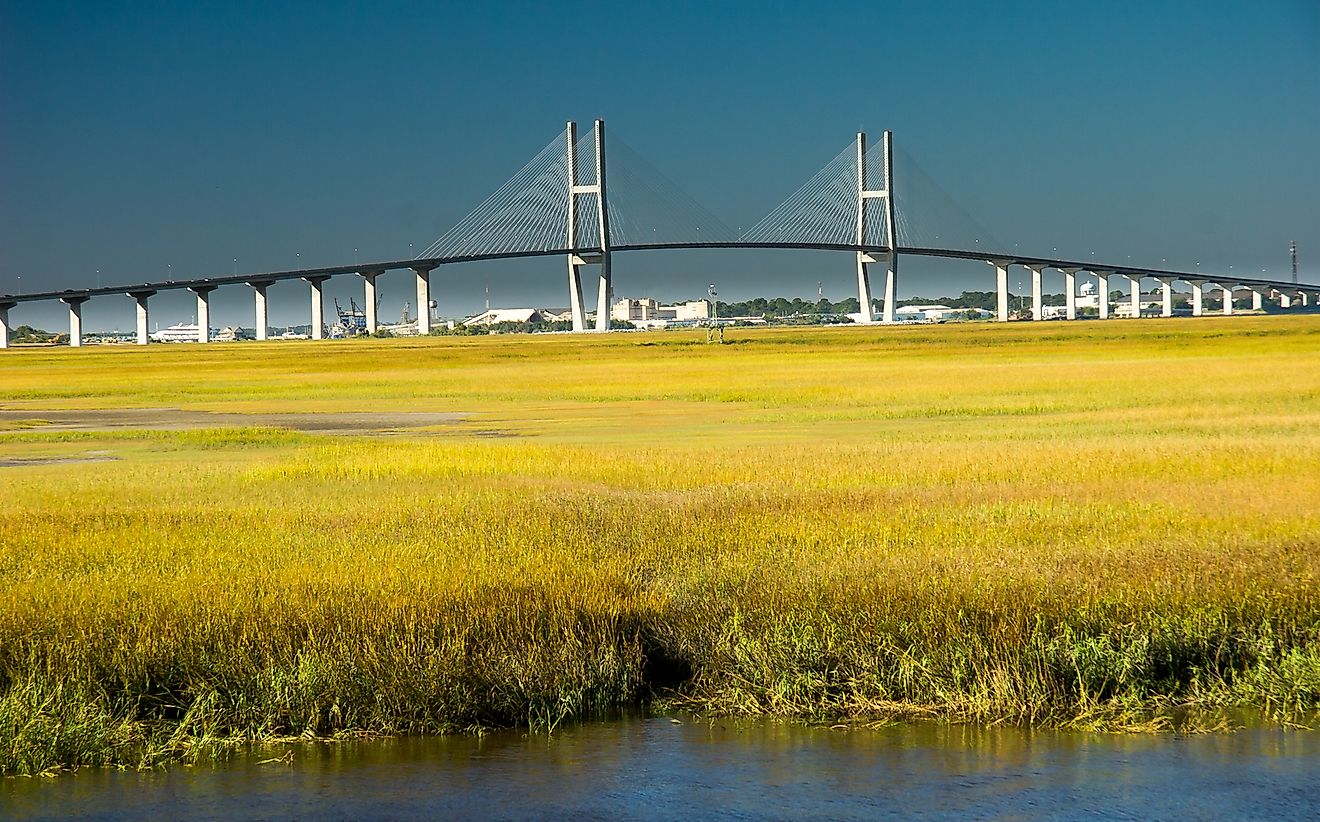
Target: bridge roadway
(1284, 290)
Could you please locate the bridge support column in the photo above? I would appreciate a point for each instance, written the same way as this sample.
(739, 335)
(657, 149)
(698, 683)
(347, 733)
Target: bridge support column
(75, 319)
(318, 306)
(4, 323)
(576, 307)
(1102, 293)
(140, 298)
(1198, 298)
(423, 299)
(1228, 299)
(369, 299)
(1285, 300)
(203, 293)
(1070, 293)
(1257, 300)
(1001, 289)
(604, 294)
(262, 317)
(891, 229)
(1037, 292)
(605, 289)
(1135, 279)
(1166, 298)
(891, 287)
(1305, 298)
(864, 304)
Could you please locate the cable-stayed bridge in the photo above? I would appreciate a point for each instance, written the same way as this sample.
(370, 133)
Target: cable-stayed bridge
(569, 201)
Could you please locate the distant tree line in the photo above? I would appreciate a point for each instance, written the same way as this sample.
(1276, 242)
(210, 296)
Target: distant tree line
(780, 307)
(784, 307)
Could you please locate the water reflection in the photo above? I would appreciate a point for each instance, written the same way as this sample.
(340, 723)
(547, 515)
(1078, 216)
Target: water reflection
(654, 768)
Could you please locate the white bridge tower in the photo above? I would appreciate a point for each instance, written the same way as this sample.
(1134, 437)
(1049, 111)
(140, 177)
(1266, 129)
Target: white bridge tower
(889, 257)
(600, 256)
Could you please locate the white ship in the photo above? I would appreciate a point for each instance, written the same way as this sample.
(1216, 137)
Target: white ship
(179, 332)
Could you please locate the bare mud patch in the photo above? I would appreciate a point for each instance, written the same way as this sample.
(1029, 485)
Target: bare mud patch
(24, 462)
(177, 419)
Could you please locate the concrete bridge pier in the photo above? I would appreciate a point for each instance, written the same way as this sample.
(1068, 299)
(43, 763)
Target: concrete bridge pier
(369, 299)
(203, 293)
(577, 303)
(891, 228)
(891, 287)
(1166, 296)
(1305, 298)
(1102, 293)
(75, 319)
(1285, 300)
(423, 298)
(318, 306)
(604, 293)
(262, 317)
(4, 323)
(1070, 293)
(576, 306)
(1198, 298)
(1228, 299)
(864, 304)
(1001, 289)
(1037, 292)
(1257, 300)
(1135, 279)
(140, 298)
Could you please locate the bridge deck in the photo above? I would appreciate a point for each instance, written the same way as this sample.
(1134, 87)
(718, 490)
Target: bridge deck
(435, 262)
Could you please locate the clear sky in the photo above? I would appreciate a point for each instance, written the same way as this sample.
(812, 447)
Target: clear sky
(148, 139)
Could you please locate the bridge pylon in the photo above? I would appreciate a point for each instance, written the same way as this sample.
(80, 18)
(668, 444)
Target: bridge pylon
(600, 256)
(890, 257)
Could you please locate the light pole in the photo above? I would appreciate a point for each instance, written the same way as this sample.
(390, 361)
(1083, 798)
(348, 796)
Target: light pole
(713, 316)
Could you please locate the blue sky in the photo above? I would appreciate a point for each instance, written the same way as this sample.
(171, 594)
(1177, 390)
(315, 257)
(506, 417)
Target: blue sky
(145, 138)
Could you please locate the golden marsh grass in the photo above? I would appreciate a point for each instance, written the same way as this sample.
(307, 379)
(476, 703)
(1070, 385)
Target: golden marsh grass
(1093, 524)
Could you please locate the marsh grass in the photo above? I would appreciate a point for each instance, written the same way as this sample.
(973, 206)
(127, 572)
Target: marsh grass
(1103, 525)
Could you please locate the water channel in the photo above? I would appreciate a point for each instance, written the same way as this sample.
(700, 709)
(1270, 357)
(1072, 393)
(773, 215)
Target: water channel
(657, 768)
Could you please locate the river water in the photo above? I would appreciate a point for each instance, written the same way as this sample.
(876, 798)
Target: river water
(656, 768)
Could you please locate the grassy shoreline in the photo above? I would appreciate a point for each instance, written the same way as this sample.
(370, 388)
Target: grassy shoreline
(1100, 525)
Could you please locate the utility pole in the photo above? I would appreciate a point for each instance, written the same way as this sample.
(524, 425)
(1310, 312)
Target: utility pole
(713, 316)
(1292, 247)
